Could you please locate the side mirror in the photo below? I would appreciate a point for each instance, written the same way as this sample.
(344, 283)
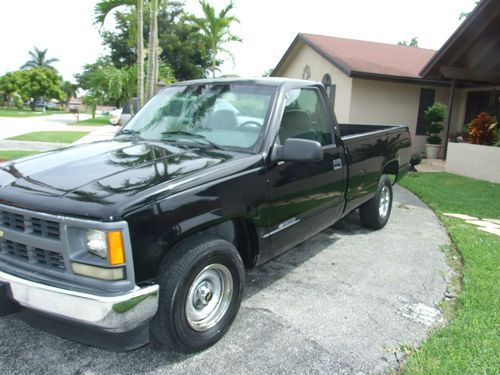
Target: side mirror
(299, 150)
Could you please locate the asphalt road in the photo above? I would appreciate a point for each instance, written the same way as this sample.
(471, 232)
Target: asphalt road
(342, 302)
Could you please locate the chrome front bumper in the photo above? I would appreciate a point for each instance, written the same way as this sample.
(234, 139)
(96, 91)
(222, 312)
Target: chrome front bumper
(116, 314)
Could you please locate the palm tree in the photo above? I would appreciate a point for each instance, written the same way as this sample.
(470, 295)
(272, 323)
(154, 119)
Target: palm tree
(216, 29)
(153, 50)
(140, 53)
(70, 90)
(38, 59)
(102, 9)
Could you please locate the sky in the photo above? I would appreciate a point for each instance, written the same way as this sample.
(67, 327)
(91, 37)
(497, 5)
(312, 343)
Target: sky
(267, 28)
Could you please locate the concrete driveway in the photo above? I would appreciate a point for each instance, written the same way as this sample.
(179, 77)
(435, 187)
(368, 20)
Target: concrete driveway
(342, 302)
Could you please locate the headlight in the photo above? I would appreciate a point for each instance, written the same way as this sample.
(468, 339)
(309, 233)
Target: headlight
(106, 244)
(97, 243)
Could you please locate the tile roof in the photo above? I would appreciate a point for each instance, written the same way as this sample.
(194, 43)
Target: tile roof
(359, 56)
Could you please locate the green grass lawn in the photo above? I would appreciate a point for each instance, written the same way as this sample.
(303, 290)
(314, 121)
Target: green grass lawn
(14, 112)
(53, 136)
(97, 121)
(470, 342)
(15, 154)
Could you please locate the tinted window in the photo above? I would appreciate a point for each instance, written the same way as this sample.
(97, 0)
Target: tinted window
(305, 117)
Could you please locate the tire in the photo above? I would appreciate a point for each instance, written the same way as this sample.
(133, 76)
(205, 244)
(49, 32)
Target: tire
(375, 213)
(201, 284)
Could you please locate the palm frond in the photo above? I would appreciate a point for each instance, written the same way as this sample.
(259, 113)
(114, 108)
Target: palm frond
(104, 7)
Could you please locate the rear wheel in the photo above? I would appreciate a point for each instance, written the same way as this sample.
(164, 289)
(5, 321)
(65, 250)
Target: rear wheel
(375, 213)
(201, 284)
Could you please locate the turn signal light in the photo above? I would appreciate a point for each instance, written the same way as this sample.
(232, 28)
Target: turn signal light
(116, 251)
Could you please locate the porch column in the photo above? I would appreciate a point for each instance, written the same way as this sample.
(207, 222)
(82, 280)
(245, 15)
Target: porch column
(448, 121)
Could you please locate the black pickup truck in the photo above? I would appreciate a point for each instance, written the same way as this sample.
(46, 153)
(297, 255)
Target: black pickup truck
(151, 231)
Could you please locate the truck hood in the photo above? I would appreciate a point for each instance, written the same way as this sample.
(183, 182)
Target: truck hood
(92, 180)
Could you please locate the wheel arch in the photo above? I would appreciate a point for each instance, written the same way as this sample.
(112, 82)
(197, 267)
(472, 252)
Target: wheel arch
(391, 168)
(239, 231)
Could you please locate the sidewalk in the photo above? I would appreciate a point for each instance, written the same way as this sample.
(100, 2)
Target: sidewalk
(101, 133)
(30, 146)
(431, 165)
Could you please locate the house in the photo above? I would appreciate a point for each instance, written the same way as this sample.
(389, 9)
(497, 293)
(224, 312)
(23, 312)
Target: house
(379, 83)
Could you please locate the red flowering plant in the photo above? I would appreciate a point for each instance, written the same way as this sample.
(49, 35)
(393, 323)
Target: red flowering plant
(483, 129)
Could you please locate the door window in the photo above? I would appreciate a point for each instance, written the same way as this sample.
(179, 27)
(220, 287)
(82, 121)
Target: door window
(305, 117)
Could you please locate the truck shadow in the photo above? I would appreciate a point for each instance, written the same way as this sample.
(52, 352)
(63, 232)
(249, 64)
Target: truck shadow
(67, 357)
(265, 275)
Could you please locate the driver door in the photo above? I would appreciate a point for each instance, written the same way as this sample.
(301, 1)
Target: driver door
(305, 197)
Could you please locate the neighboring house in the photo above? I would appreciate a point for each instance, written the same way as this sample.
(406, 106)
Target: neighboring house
(382, 83)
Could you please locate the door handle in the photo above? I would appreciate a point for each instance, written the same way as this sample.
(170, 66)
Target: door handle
(337, 164)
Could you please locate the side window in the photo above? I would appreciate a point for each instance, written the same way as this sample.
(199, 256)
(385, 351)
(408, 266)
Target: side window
(305, 117)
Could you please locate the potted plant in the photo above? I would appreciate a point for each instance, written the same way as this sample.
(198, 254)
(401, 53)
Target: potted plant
(434, 115)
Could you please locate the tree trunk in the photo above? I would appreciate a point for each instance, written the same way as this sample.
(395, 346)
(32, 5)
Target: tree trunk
(152, 54)
(140, 54)
(214, 60)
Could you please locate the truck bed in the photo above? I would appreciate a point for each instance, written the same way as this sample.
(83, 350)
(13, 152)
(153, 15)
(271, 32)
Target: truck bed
(368, 147)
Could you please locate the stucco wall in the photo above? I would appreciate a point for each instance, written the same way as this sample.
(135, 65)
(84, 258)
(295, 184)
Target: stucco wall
(381, 102)
(303, 55)
(474, 161)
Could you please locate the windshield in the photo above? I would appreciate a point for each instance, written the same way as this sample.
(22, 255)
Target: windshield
(218, 115)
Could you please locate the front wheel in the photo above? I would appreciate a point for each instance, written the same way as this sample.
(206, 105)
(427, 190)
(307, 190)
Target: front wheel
(201, 285)
(375, 213)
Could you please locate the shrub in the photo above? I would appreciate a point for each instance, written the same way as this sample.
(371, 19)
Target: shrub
(483, 129)
(435, 116)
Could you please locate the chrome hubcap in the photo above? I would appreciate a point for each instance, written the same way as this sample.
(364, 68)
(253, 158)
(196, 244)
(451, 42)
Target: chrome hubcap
(385, 202)
(209, 297)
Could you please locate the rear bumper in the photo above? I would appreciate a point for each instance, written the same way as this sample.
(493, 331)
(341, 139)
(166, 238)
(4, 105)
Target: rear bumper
(115, 314)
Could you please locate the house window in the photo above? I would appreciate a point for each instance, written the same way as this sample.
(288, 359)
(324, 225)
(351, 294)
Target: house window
(477, 102)
(427, 97)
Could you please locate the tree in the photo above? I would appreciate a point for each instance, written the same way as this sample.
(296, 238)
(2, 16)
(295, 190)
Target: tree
(412, 43)
(181, 46)
(11, 88)
(466, 14)
(216, 30)
(38, 59)
(105, 7)
(267, 72)
(153, 50)
(140, 53)
(41, 83)
(106, 83)
(70, 90)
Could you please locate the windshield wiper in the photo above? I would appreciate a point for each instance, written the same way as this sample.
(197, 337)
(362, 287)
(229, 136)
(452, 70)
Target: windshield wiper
(134, 133)
(182, 132)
